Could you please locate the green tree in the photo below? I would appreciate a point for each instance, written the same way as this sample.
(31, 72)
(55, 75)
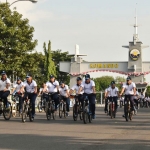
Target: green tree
(50, 67)
(16, 40)
(58, 56)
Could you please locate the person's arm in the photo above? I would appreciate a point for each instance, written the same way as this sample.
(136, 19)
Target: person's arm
(35, 89)
(80, 89)
(7, 85)
(134, 88)
(45, 88)
(71, 91)
(122, 90)
(93, 87)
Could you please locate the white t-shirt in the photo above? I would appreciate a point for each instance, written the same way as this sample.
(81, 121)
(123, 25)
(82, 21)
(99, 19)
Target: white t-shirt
(63, 91)
(88, 87)
(137, 95)
(30, 87)
(4, 83)
(41, 89)
(142, 96)
(129, 88)
(106, 90)
(76, 89)
(52, 87)
(18, 86)
(113, 92)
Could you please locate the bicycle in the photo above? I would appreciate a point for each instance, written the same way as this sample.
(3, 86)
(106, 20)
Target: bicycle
(128, 110)
(27, 110)
(42, 103)
(50, 107)
(6, 111)
(15, 104)
(62, 108)
(112, 108)
(87, 114)
(77, 109)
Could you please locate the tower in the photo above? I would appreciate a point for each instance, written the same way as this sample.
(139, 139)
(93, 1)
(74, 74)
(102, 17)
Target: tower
(135, 54)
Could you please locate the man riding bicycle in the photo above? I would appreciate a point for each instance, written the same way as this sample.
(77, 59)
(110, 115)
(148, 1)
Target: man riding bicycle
(64, 93)
(113, 93)
(89, 91)
(4, 87)
(76, 88)
(53, 87)
(17, 91)
(30, 87)
(130, 91)
(106, 96)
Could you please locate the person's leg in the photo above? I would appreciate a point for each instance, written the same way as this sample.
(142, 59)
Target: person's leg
(106, 104)
(20, 103)
(92, 103)
(55, 97)
(32, 98)
(81, 98)
(132, 102)
(4, 96)
(116, 104)
(67, 100)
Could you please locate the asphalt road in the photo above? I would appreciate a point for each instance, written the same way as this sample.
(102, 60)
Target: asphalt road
(65, 134)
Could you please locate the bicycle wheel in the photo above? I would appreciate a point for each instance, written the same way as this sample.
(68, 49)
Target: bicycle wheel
(130, 114)
(126, 112)
(85, 117)
(74, 113)
(60, 110)
(81, 112)
(7, 113)
(90, 118)
(48, 114)
(53, 112)
(24, 113)
(64, 110)
(39, 107)
(30, 114)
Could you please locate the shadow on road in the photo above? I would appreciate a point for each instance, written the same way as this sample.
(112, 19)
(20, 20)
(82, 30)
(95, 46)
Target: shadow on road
(38, 142)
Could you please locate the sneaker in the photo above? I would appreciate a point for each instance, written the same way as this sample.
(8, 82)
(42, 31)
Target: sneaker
(93, 116)
(67, 114)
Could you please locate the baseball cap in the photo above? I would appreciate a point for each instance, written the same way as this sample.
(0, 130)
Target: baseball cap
(112, 82)
(79, 79)
(61, 83)
(28, 75)
(51, 76)
(128, 78)
(18, 79)
(3, 73)
(87, 76)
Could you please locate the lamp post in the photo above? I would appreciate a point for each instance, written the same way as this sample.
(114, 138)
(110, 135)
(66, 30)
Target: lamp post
(33, 1)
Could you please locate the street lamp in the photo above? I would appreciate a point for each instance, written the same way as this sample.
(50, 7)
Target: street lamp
(33, 1)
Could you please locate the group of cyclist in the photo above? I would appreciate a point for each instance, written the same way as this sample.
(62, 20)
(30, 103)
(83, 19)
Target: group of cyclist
(28, 88)
(83, 89)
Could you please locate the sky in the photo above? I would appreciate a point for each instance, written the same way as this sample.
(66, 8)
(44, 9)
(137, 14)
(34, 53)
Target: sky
(99, 27)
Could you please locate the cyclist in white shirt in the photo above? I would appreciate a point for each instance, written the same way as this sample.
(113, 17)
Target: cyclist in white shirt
(44, 96)
(130, 91)
(30, 87)
(106, 99)
(64, 92)
(136, 99)
(89, 91)
(142, 97)
(113, 93)
(17, 91)
(4, 87)
(53, 87)
(76, 88)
